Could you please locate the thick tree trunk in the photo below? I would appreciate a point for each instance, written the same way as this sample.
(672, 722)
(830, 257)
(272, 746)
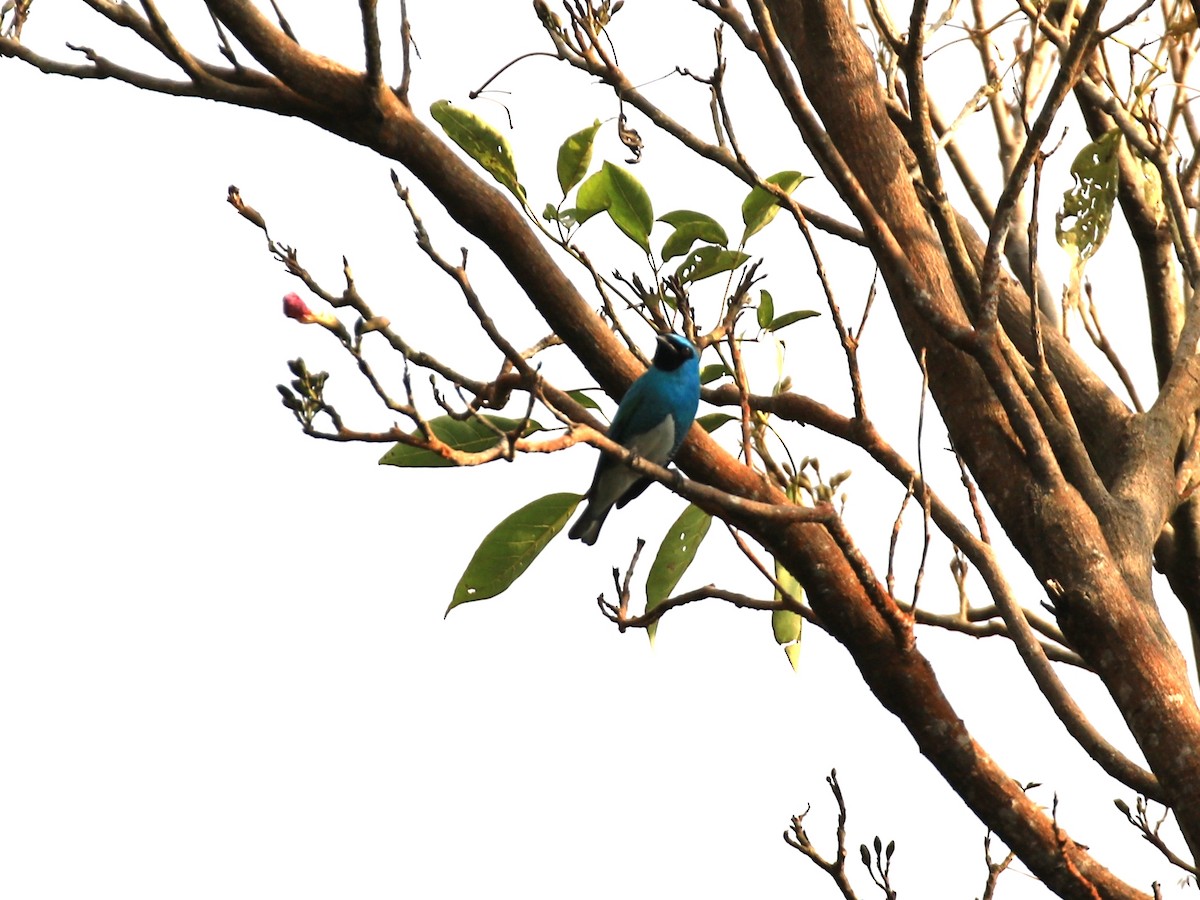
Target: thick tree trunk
(1096, 555)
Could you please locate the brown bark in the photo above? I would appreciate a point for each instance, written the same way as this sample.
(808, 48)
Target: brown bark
(1099, 554)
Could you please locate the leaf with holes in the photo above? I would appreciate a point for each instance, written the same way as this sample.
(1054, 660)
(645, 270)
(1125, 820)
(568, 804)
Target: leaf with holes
(481, 142)
(512, 546)
(709, 261)
(675, 555)
(1082, 223)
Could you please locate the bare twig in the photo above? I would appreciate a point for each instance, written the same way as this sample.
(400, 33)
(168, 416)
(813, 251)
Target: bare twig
(1139, 818)
(373, 48)
(895, 540)
(788, 601)
(879, 865)
(171, 47)
(459, 274)
(973, 496)
(1091, 324)
(798, 837)
(995, 869)
(615, 614)
(1062, 839)
(925, 498)
(284, 26)
(406, 50)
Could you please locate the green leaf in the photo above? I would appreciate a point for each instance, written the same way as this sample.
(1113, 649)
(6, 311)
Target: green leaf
(766, 309)
(796, 315)
(551, 213)
(510, 547)
(680, 242)
(469, 435)
(709, 261)
(575, 155)
(580, 396)
(675, 554)
(677, 218)
(760, 205)
(481, 141)
(710, 422)
(690, 226)
(711, 373)
(1082, 223)
(630, 202)
(593, 196)
(615, 190)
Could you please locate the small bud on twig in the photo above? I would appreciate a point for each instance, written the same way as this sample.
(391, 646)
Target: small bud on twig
(295, 308)
(248, 212)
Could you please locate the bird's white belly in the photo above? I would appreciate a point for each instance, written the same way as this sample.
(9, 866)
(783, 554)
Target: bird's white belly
(655, 444)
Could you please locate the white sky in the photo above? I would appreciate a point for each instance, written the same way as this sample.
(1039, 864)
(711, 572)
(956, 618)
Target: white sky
(223, 661)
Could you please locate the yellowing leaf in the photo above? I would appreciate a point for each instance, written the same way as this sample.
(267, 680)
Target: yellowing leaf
(1082, 223)
(793, 655)
(481, 142)
(575, 155)
(761, 206)
(786, 625)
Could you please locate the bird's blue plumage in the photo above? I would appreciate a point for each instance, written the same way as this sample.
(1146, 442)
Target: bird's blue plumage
(652, 420)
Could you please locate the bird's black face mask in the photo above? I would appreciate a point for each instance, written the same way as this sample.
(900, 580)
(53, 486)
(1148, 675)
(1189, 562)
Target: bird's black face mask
(670, 355)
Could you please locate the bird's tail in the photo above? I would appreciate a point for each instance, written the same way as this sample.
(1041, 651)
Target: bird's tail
(587, 526)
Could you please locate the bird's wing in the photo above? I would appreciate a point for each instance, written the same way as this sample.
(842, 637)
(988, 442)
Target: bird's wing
(630, 412)
(636, 427)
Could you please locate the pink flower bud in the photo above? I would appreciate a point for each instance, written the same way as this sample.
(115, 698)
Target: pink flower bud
(295, 308)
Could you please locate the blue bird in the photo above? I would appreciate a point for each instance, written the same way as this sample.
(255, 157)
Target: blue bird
(652, 420)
